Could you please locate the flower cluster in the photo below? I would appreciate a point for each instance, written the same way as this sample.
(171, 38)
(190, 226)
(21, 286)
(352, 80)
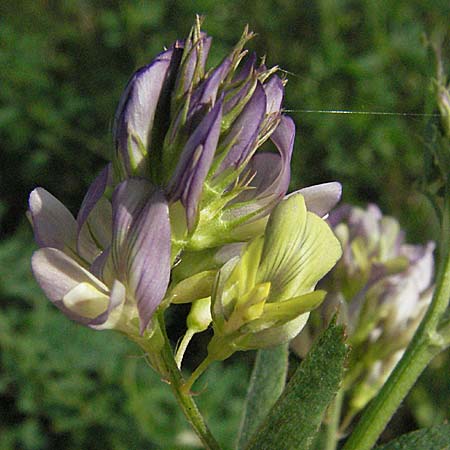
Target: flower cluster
(381, 287)
(191, 209)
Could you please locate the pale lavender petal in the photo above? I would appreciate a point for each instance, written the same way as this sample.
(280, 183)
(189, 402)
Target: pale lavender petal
(148, 255)
(274, 90)
(129, 198)
(421, 268)
(53, 224)
(95, 218)
(322, 198)
(245, 130)
(136, 111)
(194, 163)
(57, 274)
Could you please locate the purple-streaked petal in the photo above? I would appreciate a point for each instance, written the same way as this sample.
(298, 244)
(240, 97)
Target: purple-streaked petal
(274, 90)
(95, 217)
(283, 138)
(136, 111)
(245, 130)
(53, 224)
(271, 173)
(148, 256)
(206, 92)
(322, 198)
(194, 163)
(129, 198)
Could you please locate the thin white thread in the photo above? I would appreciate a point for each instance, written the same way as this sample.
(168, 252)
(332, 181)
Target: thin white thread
(362, 113)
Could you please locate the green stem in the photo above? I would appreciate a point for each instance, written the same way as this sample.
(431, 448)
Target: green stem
(426, 344)
(196, 374)
(167, 366)
(334, 416)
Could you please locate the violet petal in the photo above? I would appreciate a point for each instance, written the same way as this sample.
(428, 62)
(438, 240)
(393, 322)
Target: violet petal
(245, 130)
(194, 163)
(135, 113)
(274, 90)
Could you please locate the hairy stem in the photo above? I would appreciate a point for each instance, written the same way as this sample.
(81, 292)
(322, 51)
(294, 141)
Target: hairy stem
(165, 363)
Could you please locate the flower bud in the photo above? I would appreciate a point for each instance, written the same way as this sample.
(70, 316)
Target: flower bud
(263, 297)
(198, 135)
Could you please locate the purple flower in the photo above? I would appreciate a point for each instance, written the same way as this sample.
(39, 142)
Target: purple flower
(110, 267)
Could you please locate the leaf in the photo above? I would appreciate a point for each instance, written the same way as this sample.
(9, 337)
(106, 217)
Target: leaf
(434, 438)
(266, 384)
(294, 420)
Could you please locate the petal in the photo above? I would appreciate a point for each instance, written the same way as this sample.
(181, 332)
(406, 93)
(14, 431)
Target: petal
(206, 92)
(321, 198)
(299, 249)
(271, 174)
(273, 336)
(128, 200)
(274, 90)
(86, 301)
(111, 318)
(194, 60)
(53, 224)
(95, 218)
(94, 193)
(136, 111)
(245, 130)
(195, 161)
(57, 273)
(283, 138)
(148, 255)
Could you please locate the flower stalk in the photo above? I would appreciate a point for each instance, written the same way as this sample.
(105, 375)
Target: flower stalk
(165, 363)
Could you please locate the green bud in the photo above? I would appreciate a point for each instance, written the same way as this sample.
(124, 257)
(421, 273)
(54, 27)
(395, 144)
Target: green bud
(263, 297)
(199, 317)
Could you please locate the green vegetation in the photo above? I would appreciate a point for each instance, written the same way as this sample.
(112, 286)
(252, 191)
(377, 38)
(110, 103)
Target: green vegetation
(64, 65)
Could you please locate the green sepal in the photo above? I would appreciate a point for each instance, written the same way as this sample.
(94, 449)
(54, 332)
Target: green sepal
(278, 313)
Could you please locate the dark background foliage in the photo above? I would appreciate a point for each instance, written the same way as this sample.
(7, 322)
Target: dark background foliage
(63, 66)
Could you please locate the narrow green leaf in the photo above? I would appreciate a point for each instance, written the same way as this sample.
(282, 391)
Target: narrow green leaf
(266, 384)
(435, 438)
(294, 420)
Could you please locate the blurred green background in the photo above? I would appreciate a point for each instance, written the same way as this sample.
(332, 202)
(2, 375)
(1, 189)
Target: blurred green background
(63, 66)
